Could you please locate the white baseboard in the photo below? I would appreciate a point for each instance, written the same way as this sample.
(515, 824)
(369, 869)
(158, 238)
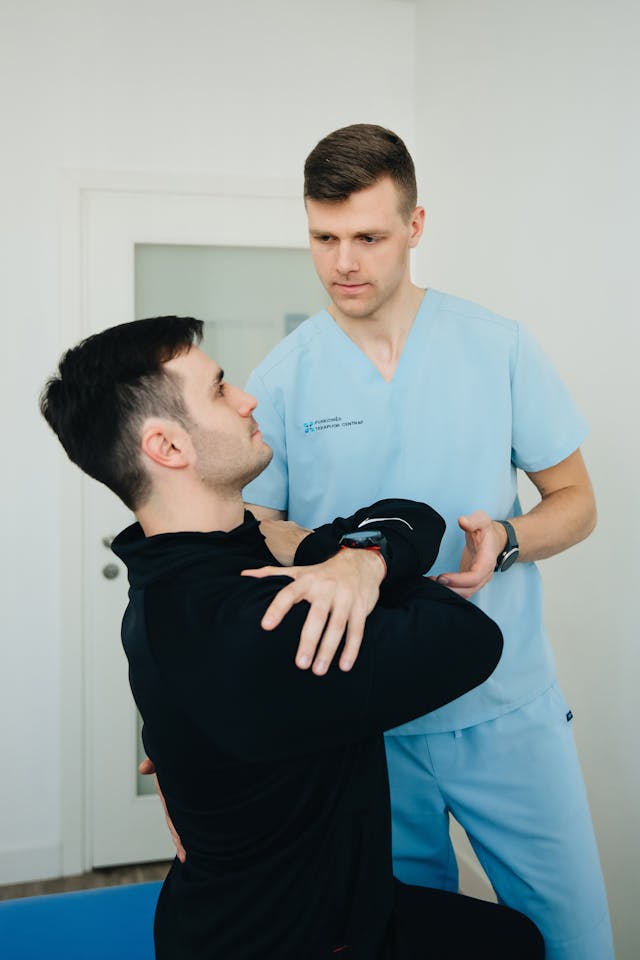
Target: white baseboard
(23, 864)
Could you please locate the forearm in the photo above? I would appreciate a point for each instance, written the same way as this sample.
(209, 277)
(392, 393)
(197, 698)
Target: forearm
(425, 649)
(431, 649)
(561, 519)
(413, 530)
(282, 536)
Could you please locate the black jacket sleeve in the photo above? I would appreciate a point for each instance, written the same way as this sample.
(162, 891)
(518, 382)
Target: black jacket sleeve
(427, 648)
(413, 531)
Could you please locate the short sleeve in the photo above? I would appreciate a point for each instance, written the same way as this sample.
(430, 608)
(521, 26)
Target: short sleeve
(547, 426)
(271, 488)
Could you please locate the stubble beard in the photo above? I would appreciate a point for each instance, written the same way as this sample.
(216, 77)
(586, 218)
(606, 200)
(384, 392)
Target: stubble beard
(225, 465)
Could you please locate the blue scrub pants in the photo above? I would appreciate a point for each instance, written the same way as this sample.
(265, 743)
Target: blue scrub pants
(514, 784)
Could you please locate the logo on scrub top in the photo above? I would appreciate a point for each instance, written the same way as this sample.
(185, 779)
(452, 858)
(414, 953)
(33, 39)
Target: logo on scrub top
(331, 423)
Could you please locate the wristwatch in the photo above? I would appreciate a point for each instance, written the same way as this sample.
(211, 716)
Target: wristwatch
(367, 540)
(510, 553)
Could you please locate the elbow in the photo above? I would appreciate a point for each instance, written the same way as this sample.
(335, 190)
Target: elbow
(489, 644)
(484, 650)
(495, 646)
(589, 519)
(592, 519)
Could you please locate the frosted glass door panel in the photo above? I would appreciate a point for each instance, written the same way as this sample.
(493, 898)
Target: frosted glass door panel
(249, 297)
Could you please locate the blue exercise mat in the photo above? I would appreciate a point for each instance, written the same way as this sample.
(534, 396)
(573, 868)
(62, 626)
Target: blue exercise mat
(112, 923)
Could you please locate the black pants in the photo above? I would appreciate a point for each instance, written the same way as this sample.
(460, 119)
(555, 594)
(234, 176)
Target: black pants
(436, 925)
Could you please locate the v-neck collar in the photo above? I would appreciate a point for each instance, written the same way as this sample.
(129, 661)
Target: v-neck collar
(364, 361)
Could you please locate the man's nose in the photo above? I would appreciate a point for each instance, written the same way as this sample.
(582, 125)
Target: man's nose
(245, 403)
(347, 262)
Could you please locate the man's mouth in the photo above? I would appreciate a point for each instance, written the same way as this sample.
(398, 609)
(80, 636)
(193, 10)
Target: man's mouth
(350, 287)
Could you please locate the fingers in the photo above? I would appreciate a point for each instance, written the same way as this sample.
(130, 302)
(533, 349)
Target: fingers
(322, 631)
(343, 618)
(146, 767)
(355, 633)
(340, 593)
(181, 853)
(459, 580)
(260, 572)
(463, 592)
(465, 584)
(283, 601)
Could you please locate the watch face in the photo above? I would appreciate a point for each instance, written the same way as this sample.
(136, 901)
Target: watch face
(511, 552)
(362, 539)
(509, 558)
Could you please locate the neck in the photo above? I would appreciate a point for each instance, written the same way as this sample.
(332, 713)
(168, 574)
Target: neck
(197, 510)
(382, 335)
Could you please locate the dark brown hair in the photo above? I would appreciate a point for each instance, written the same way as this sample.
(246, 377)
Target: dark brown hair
(106, 387)
(355, 157)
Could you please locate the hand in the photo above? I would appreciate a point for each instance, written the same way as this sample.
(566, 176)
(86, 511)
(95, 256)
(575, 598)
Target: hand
(484, 540)
(283, 538)
(342, 592)
(146, 768)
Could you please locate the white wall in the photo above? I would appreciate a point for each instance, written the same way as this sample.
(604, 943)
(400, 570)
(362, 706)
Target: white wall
(528, 159)
(231, 87)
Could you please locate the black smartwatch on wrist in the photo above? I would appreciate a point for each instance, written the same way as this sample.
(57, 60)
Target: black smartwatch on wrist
(367, 540)
(511, 552)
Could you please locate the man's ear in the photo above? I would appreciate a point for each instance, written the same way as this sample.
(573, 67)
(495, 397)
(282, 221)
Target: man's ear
(417, 226)
(166, 443)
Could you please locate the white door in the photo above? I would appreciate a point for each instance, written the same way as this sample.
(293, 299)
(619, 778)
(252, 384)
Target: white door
(239, 263)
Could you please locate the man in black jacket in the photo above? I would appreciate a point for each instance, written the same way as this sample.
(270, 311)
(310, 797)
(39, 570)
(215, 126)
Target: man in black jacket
(274, 777)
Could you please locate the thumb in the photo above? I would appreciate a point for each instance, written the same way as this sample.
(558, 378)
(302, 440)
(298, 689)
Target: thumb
(474, 521)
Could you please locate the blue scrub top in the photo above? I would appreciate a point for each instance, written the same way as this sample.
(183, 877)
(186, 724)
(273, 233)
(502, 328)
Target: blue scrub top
(472, 399)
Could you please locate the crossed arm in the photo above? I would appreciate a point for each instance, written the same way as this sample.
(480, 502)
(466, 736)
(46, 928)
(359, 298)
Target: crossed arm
(343, 590)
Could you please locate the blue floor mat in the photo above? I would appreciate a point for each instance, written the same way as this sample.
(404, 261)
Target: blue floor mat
(112, 923)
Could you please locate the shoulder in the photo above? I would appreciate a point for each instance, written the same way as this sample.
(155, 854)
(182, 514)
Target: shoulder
(300, 343)
(457, 311)
(475, 334)
(214, 616)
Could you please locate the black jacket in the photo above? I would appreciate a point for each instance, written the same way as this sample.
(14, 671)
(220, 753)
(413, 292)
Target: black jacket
(276, 779)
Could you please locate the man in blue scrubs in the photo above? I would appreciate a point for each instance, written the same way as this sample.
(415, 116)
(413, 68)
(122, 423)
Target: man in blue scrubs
(397, 391)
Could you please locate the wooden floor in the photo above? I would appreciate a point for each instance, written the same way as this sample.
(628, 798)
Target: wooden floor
(105, 877)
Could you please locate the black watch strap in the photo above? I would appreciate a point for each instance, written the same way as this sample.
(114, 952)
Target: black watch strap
(510, 554)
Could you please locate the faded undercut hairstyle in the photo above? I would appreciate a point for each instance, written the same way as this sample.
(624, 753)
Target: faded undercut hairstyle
(104, 390)
(355, 157)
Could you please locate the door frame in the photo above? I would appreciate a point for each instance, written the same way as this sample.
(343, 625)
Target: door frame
(76, 189)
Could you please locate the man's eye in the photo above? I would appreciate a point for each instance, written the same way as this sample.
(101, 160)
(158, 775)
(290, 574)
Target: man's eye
(220, 390)
(368, 239)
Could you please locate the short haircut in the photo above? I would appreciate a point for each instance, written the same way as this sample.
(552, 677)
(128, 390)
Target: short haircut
(106, 387)
(356, 157)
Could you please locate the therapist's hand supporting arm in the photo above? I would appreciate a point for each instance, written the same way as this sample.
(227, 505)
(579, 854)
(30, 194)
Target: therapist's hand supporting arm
(565, 515)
